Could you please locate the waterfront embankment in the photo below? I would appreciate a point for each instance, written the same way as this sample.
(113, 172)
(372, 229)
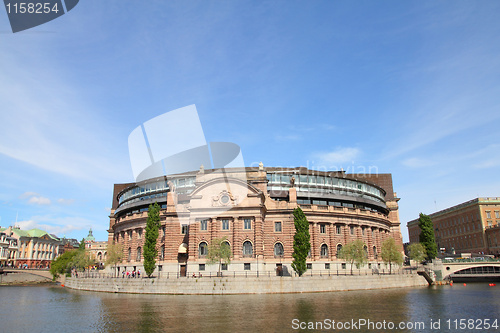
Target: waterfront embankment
(250, 285)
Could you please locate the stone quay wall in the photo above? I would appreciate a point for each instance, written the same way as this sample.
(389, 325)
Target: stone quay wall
(241, 285)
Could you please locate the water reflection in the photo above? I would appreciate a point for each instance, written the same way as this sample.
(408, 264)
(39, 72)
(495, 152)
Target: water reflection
(55, 309)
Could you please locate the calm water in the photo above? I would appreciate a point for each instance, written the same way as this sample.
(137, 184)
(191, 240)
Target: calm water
(56, 309)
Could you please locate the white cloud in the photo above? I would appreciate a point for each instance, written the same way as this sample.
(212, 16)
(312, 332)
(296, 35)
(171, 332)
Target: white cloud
(337, 157)
(27, 195)
(60, 226)
(39, 200)
(65, 201)
(35, 198)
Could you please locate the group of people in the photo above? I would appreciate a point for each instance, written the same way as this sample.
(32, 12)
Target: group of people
(194, 275)
(132, 274)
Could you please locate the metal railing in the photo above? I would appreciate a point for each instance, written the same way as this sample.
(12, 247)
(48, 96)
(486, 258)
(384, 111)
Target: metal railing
(244, 274)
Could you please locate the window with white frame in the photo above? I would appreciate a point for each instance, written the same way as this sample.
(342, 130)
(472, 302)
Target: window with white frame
(203, 225)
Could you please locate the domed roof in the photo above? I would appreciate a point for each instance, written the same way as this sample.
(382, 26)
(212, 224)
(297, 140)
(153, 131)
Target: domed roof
(90, 237)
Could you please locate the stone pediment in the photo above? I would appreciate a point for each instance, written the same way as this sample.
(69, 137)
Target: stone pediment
(221, 193)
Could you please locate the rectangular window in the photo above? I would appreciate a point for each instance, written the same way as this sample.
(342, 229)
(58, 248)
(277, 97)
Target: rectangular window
(247, 224)
(363, 231)
(224, 267)
(344, 266)
(184, 229)
(164, 229)
(497, 214)
(246, 266)
(203, 225)
(201, 267)
(488, 214)
(322, 228)
(339, 229)
(327, 265)
(277, 226)
(309, 266)
(225, 224)
(352, 230)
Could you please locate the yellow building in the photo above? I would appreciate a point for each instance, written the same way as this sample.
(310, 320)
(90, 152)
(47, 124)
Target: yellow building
(36, 248)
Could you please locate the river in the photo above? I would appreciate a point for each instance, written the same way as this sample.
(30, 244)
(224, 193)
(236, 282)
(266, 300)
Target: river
(51, 308)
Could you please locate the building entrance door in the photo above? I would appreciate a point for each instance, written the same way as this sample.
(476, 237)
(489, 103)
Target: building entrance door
(183, 270)
(279, 270)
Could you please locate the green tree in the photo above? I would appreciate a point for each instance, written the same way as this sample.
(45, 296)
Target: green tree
(219, 252)
(416, 252)
(427, 236)
(82, 260)
(301, 241)
(151, 237)
(390, 253)
(355, 253)
(115, 254)
(62, 264)
(82, 244)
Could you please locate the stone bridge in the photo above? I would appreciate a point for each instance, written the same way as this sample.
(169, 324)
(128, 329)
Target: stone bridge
(470, 269)
(40, 272)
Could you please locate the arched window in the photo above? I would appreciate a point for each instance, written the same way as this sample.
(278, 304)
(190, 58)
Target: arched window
(247, 248)
(375, 252)
(138, 254)
(366, 250)
(202, 249)
(339, 248)
(129, 254)
(99, 256)
(324, 251)
(278, 250)
(226, 244)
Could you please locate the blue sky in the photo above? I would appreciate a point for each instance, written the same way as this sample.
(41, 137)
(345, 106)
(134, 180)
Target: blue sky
(404, 87)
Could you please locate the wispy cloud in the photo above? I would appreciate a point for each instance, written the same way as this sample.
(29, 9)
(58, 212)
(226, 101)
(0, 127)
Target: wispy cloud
(47, 124)
(65, 201)
(59, 226)
(35, 198)
(337, 157)
(39, 201)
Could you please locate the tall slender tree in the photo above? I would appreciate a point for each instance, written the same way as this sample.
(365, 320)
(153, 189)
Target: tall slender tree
(301, 241)
(427, 236)
(151, 237)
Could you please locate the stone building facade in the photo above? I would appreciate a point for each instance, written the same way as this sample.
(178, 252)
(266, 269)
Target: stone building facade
(470, 227)
(253, 209)
(35, 248)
